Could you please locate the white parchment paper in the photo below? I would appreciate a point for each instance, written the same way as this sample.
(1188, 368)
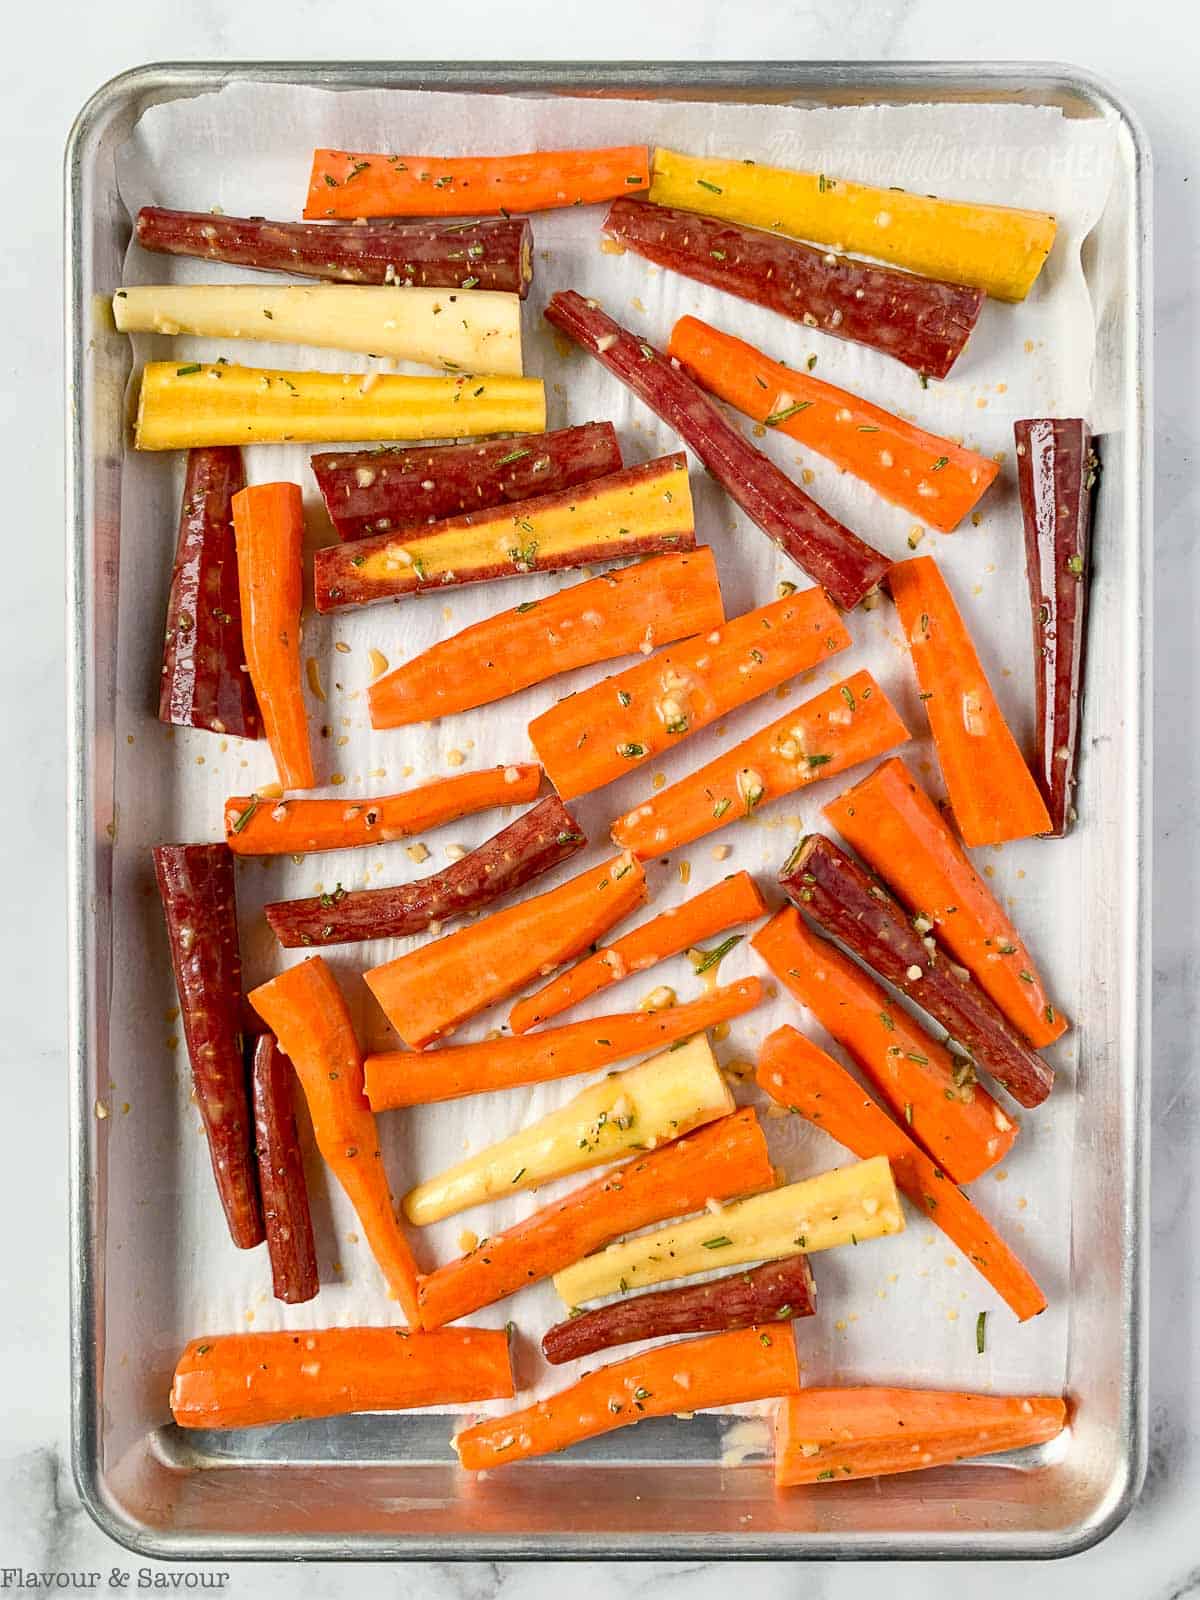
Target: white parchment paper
(895, 1310)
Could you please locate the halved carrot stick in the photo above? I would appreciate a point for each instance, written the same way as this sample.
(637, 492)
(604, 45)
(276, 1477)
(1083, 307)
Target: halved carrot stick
(261, 827)
(304, 1009)
(896, 828)
(592, 737)
(685, 1375)
(828, 1435)
(427, 993)
(951, 1116)
(725, 1159)
(243, 1380)
(268, 526)
(998, 248)
(419, 1078)
(735, 899)
(992, 791)
(834, 730)
(934, 478)
(792, 1070)
(347, 183)
(639, 607)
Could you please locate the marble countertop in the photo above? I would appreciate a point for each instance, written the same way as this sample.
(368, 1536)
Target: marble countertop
(57, 54)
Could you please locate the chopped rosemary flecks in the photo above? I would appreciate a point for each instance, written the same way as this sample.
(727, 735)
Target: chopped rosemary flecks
(942, 461)
(719, 1243)
(710, 958)
(240, 822)
(981, 1333)
(711, 187)
(777, 417)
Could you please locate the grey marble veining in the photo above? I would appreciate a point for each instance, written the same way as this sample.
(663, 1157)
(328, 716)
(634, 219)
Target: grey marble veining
(57, 52)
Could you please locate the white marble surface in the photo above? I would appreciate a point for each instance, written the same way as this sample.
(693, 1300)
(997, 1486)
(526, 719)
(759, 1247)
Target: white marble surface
(55, 55)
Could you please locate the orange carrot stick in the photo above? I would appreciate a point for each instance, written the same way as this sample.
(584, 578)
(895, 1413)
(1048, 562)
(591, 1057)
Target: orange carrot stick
(243, 1380)
(828, 1435)
(346, 183)
(418, 1078)
(951, 1116)
(934, 478)
(427, 993)
(268, 527)
(896, 828)
(685, 1375)
(261, 827)
(992, 791)
(721, 1161)
(735, 899)
(634, 608)
(305, 1011)
(792, 1070)
(834, 730)
(592, 737)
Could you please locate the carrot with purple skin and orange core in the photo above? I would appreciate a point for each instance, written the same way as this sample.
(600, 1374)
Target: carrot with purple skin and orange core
(846, 904)
(421, 1077)
(688, 1375)
(248, 1380)
(934, 478)
(921, 322)
(204, 679)
(634, 608)
(794, 1072)
(304, 1009)
(899, 832)
(1056, 471)
(281, 1180)
(268, 522)
(836, 729)
(934, 1093)
(257, 826)
(427, 993)
(492, 254)
(834, 557)
(351, 183)
(595, 736)
(992, 791)
(778, 1291)
(642, 510)
(537, 842)
(199, 901)
(830, 1435)
(385, 491)
(720, 1161)
(735, 899)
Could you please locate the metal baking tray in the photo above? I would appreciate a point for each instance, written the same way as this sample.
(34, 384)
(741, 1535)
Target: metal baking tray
(377, 1487)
